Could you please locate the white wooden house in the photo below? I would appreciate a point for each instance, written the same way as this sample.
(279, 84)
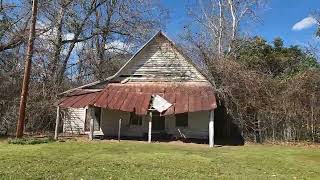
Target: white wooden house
(158, 69)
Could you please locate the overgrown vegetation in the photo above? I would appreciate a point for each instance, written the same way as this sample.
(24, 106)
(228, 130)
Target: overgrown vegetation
(273, 94)
(271, 91)
(30, 141)
(137, 160)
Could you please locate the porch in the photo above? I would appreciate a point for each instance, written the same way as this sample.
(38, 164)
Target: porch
(128, 110)
(180, 126)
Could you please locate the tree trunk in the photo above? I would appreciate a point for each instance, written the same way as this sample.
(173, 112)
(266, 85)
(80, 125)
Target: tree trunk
(75, 40)
(312, 117)
(234, 23)
(220, 30)
(58, 44)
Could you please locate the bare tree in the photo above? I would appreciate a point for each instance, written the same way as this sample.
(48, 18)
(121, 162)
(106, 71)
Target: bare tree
(66, 52)
(13, 26)
(220, 21)
(264, 103)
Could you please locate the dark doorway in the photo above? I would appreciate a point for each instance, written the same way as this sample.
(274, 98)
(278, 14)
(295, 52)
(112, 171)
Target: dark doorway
(96, 113)
(226, 131)
(158, 122)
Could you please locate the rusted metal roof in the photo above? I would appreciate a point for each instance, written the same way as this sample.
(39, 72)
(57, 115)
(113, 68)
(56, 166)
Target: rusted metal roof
(79, 99)
(185, 97)
(136, 97)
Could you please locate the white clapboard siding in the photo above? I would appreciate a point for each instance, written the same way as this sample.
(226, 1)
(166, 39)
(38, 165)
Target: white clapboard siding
(110, 124)
(197, 126)
(74, 120)
(160, 61)
(110, 121)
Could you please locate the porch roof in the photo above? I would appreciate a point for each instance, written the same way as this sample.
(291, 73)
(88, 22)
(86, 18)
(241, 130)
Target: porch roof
(136, 97)
(185, 97)
(79, 99)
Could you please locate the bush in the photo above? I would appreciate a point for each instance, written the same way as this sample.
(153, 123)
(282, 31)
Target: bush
(30, 141)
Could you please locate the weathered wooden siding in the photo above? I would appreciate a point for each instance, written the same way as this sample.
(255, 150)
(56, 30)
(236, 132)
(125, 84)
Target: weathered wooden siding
(197, 125)
(73, 121)
(160, 61)
(109, 121)
(110, 124)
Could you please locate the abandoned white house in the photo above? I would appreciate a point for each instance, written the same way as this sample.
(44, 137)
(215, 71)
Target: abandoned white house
(158, 91)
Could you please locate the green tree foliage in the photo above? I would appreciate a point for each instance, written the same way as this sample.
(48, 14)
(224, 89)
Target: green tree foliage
(274, 59)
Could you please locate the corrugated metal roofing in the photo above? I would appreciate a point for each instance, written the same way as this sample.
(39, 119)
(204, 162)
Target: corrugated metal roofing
(130, 97)
(136, 97)
(79, 99)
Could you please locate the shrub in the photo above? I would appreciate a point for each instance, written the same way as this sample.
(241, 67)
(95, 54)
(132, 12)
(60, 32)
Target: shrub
(30, 141)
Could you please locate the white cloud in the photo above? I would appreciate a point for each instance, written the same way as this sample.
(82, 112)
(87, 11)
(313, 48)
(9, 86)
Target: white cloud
(304, 23)
(118, 46)
(68, 36)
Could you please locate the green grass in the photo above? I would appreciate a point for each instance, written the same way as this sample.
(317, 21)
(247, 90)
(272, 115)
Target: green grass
(138, 160)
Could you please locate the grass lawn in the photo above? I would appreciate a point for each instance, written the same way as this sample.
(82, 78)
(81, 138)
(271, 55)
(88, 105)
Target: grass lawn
(139, 160)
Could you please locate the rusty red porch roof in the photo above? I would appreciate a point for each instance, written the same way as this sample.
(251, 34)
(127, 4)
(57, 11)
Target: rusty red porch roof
(136, 97)
(78, 99)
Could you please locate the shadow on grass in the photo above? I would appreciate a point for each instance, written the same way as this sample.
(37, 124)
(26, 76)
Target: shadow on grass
(4, 138)
(164, 139)
(30, 140)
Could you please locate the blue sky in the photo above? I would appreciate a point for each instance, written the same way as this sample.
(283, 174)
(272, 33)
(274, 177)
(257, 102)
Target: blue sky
(278, 19)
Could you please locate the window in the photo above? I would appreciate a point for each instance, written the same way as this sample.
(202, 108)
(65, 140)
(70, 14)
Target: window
(182, 120)
(135, 119)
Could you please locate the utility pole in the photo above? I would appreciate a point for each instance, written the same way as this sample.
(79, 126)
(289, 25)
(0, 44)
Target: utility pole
(27, 67)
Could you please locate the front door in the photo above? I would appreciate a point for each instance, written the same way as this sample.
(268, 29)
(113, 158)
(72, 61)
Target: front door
(158, 122)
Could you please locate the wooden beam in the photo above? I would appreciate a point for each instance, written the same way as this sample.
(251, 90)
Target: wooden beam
(57, 123)
(91, 129)
(119, 130)
(150, 128)
(27, 70)
(211, 129)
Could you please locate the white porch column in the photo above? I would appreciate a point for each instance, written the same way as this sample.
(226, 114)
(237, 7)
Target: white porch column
(57, 123)
(211, 129)
(119, 130)
(91, 129)
(150, 128)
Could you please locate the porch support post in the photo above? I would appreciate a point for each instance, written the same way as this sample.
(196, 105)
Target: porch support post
(150, 127)
(91, 129)
(211, 129)
(57, 123)
(119, 130)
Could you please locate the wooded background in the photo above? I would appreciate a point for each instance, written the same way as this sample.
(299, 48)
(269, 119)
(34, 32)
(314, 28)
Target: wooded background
(271, 91)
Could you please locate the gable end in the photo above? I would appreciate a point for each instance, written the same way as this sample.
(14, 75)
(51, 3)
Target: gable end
(160, 60)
